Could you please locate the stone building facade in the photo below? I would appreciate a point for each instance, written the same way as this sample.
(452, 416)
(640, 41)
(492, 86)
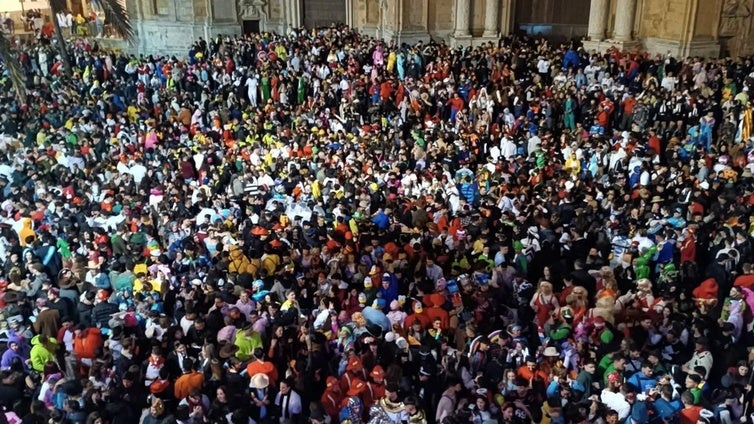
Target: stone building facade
(681, 27)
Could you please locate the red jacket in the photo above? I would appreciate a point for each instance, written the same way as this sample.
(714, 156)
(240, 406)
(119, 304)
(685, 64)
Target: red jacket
(331, 402)
(688, 250)
(372, 394)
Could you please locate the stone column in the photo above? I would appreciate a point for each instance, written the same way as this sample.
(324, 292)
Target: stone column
(349, 13)
(491, 12)
(597, 20)
(295, 13)
(462, 15)
(625, 12)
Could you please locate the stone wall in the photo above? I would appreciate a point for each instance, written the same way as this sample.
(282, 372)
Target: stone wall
(318, 13)
(557, 19)
(440, 18)
(735, 28)
(682, 27)
(663, 19)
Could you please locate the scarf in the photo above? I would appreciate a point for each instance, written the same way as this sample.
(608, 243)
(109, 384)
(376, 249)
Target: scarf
(157, 362)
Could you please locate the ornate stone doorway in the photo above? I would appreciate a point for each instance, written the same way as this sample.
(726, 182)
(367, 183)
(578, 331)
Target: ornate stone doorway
(253, 15)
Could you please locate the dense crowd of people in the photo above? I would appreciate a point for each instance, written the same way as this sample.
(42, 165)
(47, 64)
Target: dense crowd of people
(320, 226)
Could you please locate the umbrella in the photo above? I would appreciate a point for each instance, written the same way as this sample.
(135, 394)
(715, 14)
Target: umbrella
(299, 209)
(376, 317)
(272, 203)
(206, 211)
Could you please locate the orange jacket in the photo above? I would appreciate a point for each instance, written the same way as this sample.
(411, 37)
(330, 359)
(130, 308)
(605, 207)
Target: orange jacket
(87, 346)
(186, 382)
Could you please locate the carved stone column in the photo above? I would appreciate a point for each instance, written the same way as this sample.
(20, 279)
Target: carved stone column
(597, 20)
(462, 14)
(491, 12)
(625, 12)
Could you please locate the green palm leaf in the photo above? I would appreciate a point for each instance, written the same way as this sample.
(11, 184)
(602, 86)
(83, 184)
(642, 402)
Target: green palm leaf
(13, 66)
(116, 14)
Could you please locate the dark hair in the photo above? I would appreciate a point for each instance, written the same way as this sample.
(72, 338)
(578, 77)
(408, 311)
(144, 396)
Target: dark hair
(700, 370)
(687, 397)
(50, 368)
(182, 413)
(188, 364)
(56, 415)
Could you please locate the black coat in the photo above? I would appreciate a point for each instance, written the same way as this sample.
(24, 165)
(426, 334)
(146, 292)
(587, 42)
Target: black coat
(102, 313)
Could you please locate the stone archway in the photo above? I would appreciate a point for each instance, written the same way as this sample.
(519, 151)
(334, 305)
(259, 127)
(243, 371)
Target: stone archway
(321, 13)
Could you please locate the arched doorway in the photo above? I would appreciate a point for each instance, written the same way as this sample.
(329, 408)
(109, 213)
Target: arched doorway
(320, 13)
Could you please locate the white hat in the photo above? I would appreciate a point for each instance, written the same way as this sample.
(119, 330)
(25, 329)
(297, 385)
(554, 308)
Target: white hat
(401, 342)
(259, 381)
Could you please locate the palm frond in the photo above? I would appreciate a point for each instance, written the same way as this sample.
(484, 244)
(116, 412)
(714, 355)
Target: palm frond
(117, 16)
(13, 66)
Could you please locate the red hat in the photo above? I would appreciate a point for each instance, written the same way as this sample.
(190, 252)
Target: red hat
(276, 244)
(354, 364)
(377, 372)
(599, 321)
(259, 231)
(357, 386)
(331, 382)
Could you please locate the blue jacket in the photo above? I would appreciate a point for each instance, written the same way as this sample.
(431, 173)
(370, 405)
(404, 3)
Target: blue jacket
(571, 59)
(381, 220)
(642, 382)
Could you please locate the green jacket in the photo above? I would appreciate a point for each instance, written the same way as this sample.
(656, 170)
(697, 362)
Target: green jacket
(561, 332)
(40, 355)
(247, 344)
